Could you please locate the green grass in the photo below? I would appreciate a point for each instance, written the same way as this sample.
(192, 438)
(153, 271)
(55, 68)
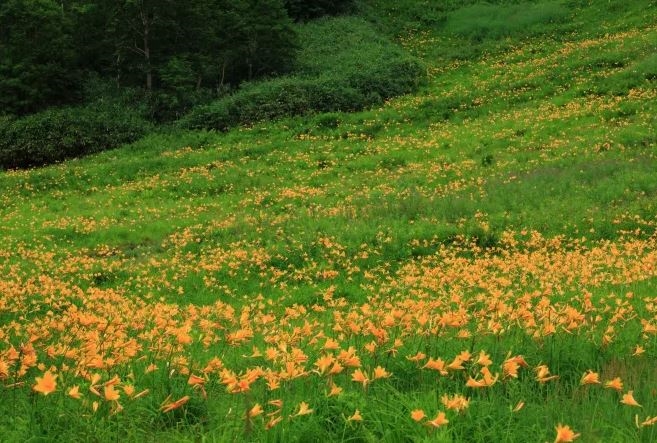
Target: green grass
(522, 172)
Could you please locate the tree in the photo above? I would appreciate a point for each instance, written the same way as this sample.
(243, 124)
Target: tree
(38, 66)
(303, 10)
(173, 50)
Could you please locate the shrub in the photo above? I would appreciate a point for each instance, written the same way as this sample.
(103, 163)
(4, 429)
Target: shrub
(275, 98)
(58, 134)
(367, 70)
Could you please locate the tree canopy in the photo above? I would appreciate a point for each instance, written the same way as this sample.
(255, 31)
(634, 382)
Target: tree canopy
(47, 47)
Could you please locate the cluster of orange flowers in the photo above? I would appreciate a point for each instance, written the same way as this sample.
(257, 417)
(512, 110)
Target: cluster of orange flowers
(75, 341)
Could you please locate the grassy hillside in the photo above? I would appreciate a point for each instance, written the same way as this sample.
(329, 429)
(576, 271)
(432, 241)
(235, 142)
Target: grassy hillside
(481, 252)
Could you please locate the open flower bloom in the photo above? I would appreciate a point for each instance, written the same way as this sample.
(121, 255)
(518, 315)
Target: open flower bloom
(543, 374)
(590, 378)
(380, 372)
(565, 434)
(628, 399)
(615, 384)
(359, 377)
(304, 409)
(418, 414)
(456, 402)
(46, 384)
(356, 416)
(110, 393)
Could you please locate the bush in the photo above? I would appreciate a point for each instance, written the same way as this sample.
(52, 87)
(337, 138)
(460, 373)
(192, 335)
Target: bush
(54, 135)
(285, 96)
(366, 71)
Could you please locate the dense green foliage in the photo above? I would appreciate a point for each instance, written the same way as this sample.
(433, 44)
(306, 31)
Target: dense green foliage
(37, 58)
(164, 46)
(164, 59)
(309, 9)
(54, 135)
(344, 65)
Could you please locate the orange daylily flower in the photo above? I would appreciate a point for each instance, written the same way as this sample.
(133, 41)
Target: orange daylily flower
(464, 356)
(418, 414)
(273, 422)
(456, 364)
(543, 374)
(128, 390)
(304, 409)
(615, 384)
(195, 380)
(380, 372)
(255, 410)
(417, 357)
(483, 359)
(168, 407)
(335, 390)
(46, 384)
(590, 378)
(278, 403)
(565, 434)
(436, 365)
(111, 394)
(628, 399)
(440, 420)
(74, 392)
(455, 402)
(487, 380)
(336, 368)
(359, 377)
(648, 421)
(331, 345)
(510, 369)
(323, 363)
(356, 416)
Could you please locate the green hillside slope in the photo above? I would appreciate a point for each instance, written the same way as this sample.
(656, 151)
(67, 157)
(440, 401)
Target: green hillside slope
(373, 262)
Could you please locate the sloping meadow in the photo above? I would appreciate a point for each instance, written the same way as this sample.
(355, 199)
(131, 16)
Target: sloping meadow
(476, 262)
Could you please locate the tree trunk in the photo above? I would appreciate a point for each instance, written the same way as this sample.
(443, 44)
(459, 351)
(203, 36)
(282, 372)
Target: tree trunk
(147, 51)
(147, 58)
